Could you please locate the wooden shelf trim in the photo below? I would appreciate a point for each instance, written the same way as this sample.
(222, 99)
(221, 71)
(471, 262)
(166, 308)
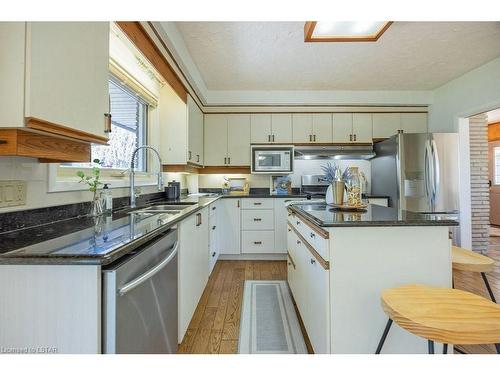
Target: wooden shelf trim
(61, 130)
(225, 169)
(321, 232)
(47, 147)
(181, 168)
(145, 44)
(324, 263)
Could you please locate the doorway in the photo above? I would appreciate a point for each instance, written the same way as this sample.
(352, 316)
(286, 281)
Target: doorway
(494, 170)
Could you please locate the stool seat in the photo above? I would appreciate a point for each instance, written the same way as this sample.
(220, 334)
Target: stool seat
(468, 260)
(444, 315)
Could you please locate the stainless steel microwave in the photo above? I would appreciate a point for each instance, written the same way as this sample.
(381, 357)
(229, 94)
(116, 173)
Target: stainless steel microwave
(272, 159)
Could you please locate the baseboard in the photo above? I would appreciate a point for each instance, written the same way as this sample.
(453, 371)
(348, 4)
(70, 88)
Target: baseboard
(252, 257)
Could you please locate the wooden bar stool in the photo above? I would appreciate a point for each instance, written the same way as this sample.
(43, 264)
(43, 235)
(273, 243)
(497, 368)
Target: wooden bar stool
(468, 260)
(448, 316)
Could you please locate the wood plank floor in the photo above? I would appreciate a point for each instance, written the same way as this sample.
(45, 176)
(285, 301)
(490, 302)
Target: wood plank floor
(215, 326)
(216, 321)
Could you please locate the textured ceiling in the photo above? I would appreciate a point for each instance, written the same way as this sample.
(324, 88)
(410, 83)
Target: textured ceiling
(273, 56)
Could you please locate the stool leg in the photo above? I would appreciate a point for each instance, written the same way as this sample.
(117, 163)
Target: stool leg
(430, 345)
(459, 350)
(384, 335)
(492, 296)
(498, 348)
(445, 348)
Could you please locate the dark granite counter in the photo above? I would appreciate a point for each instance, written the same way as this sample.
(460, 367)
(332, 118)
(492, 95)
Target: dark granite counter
(327, 216)
(85, 240)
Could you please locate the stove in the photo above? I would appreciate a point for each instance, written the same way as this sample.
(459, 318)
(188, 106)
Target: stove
(314, 186)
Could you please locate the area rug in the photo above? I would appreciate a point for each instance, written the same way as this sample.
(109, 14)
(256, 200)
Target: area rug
(269, 324)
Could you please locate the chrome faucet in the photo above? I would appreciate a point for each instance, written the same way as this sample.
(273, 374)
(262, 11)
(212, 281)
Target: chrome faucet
(133, 196)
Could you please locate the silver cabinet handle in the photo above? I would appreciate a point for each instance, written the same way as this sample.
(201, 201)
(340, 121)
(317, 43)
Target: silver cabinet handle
(213, 228)
(149, 274)
(225, 160)
(313, 261)
(269, 138)
(310, 138)
(228, 160)
(257, 203)
(350, 137)
(257, 242)
(198, 220)
(314, 137)
(354, 137)
(257, 219)
(273, 137)
(213, 254)
(189, 155)
(312, 235)
(198, 158)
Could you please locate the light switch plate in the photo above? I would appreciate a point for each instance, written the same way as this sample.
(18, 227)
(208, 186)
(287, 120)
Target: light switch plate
(12, 193)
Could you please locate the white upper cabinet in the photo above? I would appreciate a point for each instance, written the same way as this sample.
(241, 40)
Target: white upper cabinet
(260, 124)
(414, 122)
(362, 127)
(195, 132)
(302, 128)
(385, 125)
(55, 72)
(215, 139)
(342, 127)
(322, 128)
(238, 139)
(281, 125)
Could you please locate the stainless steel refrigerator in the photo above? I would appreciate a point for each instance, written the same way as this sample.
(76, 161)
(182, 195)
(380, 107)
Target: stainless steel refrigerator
(419, 172)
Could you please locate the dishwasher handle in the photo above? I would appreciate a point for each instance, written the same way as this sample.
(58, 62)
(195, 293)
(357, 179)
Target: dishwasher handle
(150, 273)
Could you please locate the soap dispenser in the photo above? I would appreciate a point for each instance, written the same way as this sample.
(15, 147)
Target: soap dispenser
(107, 198)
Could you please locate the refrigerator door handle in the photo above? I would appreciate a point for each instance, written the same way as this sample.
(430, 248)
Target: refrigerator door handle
(436, 172)
(428, 173)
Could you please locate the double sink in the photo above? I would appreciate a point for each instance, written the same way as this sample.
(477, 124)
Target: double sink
(173, 209)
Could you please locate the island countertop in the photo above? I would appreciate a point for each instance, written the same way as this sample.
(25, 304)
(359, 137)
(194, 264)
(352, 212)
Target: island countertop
(324, 215)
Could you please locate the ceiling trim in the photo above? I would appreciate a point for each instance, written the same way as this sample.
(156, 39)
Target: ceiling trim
(309, 27)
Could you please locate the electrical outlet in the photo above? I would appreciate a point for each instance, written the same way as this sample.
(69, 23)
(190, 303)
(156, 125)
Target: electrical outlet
(12, 193)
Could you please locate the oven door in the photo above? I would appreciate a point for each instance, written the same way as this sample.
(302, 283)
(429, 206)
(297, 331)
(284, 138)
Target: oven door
(272, 160)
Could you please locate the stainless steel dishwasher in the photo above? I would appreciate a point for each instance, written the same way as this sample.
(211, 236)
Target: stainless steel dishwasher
(140, 299)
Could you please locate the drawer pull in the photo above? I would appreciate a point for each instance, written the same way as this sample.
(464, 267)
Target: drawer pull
(298, 222)
(312, 235)
(257, 242)
(313, 261)
(213, 208)
(298, 242)
(213, 228)
(257, 203)
(257, 219)
(213, 254)
(289, 230)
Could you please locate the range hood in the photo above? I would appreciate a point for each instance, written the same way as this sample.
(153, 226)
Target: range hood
(337, 152)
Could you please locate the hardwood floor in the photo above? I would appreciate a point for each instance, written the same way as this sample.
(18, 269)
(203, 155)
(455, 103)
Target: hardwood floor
(216, 321)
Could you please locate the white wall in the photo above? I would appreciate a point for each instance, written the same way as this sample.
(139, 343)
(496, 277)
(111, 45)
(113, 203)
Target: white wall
(475, 92)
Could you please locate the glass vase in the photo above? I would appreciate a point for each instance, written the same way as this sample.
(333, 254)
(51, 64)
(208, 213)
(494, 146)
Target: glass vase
(353, 187)
(96, 208)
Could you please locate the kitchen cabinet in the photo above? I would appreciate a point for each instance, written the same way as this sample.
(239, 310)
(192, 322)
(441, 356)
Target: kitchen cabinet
(302, 128)
(322, 127)
(230, 225)
(385, 125)
(312, 128)
(55, 78)
(280, 224)
(238, 139)
(414, 122)
(352, 128)
(213, 242)
(173, 115)
(195, 132)
(193, 265)
(227, 139)
(271, 128)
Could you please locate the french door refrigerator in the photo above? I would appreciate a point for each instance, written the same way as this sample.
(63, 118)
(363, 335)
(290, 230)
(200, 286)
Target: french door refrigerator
(419, 172)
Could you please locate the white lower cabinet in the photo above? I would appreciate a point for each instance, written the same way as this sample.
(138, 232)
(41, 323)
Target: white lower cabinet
(309, 283)
(193, 270)
(229, 219)
(257, 241)
(213, 238)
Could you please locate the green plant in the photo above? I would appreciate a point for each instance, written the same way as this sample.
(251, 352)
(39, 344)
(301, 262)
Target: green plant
(93, 179)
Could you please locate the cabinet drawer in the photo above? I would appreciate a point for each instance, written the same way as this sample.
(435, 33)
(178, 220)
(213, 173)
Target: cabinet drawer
(213, 208)
(314, 239)
(255, 203)
(257, 220)
(257, 241)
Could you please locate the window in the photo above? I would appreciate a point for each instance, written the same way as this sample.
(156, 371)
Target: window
(496, 163)
(129, 114)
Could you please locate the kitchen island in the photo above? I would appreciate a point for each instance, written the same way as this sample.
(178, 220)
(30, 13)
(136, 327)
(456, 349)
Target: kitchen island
(339, 263)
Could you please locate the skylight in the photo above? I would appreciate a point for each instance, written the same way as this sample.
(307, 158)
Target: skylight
(345, 31)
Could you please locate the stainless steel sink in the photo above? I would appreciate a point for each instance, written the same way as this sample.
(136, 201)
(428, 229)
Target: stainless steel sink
(169, 208)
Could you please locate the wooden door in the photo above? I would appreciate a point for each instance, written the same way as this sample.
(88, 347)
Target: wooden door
(342, 127)
(215, 143)
(67, 73)
(494, 169)
(260, 128)
(302, 127)
(238, 139)
(281, 125)
(322, 128)
(362, 127)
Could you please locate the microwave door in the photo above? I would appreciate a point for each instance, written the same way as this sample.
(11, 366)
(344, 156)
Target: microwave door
(269, 161)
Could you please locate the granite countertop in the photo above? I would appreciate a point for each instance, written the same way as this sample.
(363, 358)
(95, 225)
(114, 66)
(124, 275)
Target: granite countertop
(379, 216)
(85, 240)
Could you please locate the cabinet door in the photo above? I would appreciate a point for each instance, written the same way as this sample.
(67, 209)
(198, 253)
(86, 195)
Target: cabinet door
(302, 127)
(67, 74)
(195, 132)
(414, 122)
(342, 127)
(386, 125)
(215, 139)
(322, 127)
(260, 128)
(316, 319)
(280, 225)
(362, 127)
(229, 226)
(238, 139)
(281, 127)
